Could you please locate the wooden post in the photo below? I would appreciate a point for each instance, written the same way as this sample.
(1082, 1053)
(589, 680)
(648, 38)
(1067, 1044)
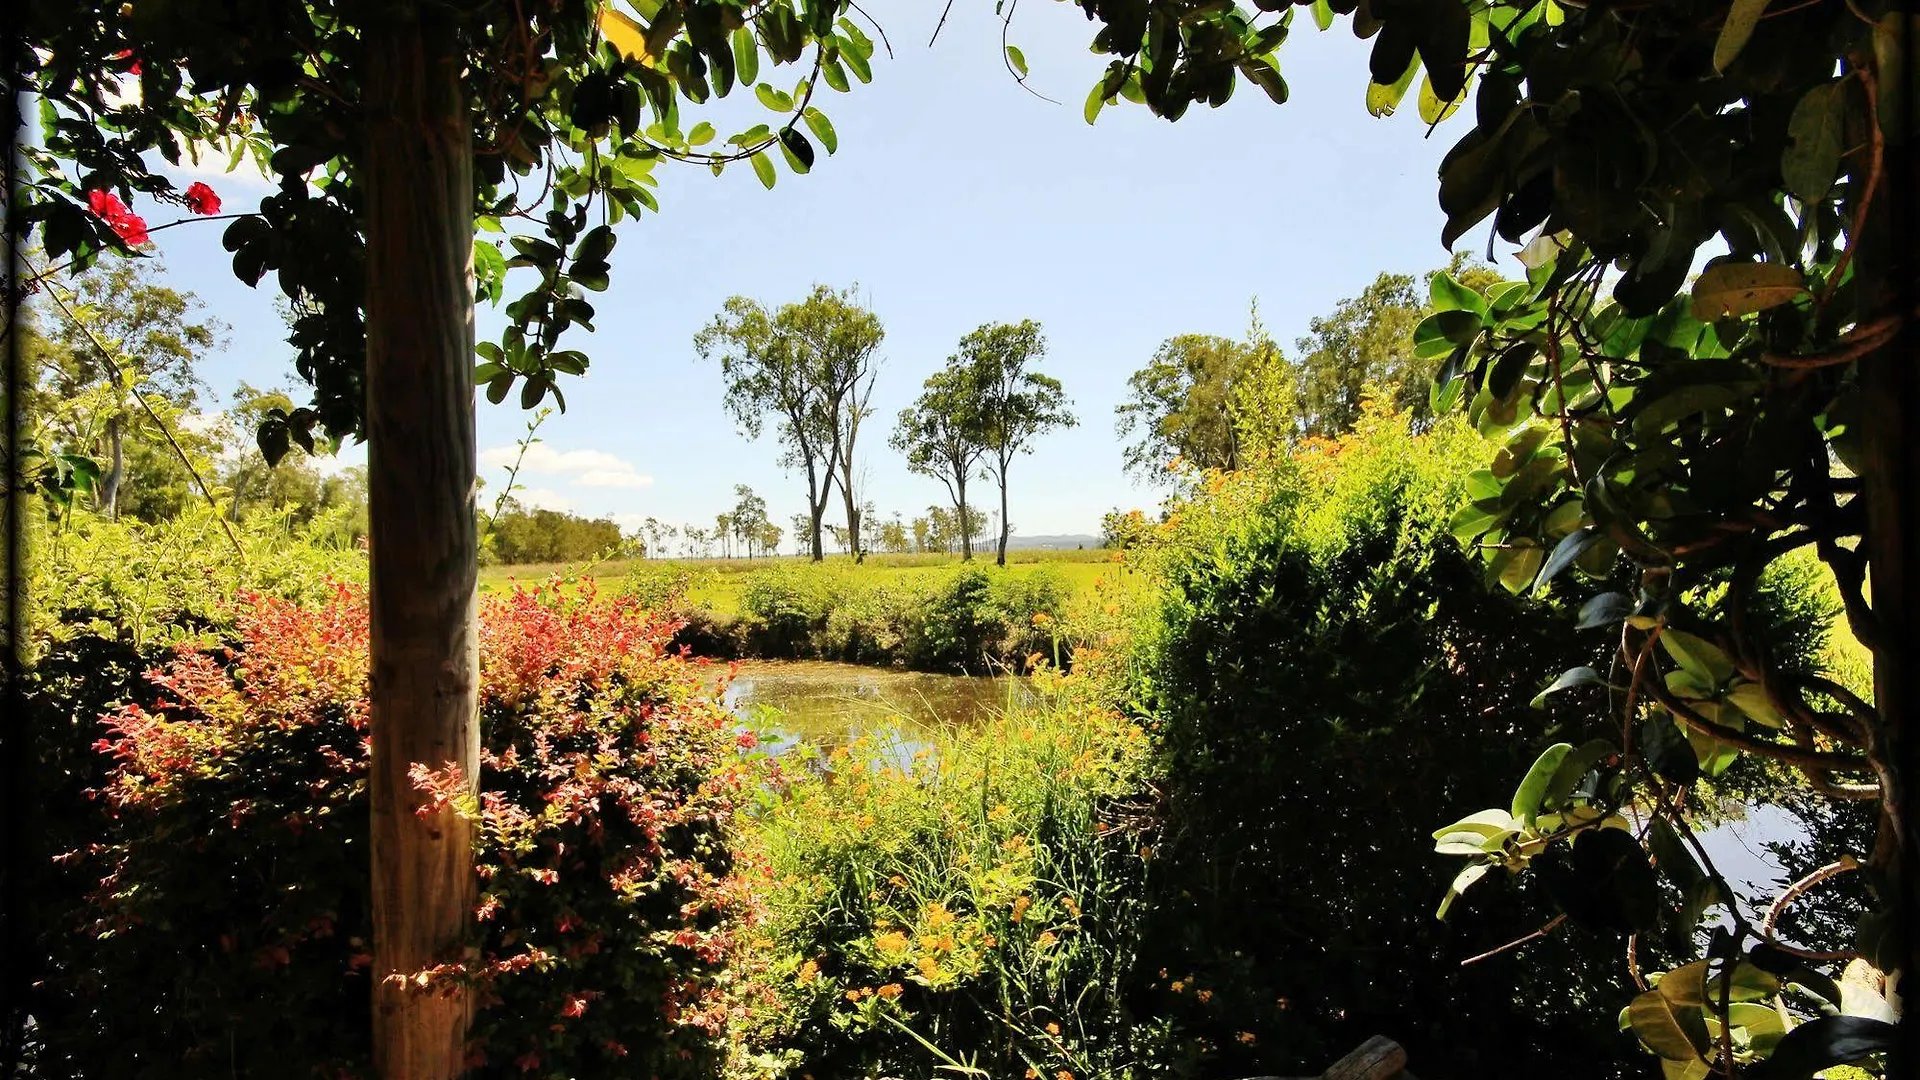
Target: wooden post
(417, 168)
(1379, 1058)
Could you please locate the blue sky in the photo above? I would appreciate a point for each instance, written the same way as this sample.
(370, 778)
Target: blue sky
(956, 198)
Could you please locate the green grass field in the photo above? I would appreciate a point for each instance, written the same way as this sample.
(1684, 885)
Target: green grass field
(715, 583)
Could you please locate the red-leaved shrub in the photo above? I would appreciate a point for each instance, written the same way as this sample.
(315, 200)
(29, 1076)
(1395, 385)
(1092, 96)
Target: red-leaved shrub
(229, 932)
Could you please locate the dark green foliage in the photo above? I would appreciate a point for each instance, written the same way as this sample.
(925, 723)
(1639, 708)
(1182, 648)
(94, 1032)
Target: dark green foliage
(1330, 669)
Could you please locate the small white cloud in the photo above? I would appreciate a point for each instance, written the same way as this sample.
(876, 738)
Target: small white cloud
(582, 468)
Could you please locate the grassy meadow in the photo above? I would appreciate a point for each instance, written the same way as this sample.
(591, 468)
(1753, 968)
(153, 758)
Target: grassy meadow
(714, 584)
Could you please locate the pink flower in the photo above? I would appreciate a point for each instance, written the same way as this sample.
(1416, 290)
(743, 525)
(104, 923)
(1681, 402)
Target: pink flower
(748, 740)
(201, 199)
(575, 1006)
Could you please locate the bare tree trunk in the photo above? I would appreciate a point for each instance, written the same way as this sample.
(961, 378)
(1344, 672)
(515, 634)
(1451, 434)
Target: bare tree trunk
(417, 167)
(1005, 526)
(964, 526)
(116, 471)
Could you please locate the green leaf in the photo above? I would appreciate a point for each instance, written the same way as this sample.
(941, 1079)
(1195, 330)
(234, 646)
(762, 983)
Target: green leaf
(1450, 295)
(1604, 610)
(1572, 768)
(798, 151)
(1752, 699)
(1461, 883)
(1485, 823)
(1432, 109)
(1811, 160)
(1580, 676)
(856, 61)
(1697, 657)
(1383, 98)
(823, 130)
(777, 100)
(701, 134)
(1095, 101)
(1565, 552)
(746, 55)
(1744, 16)
(1443, 331)
(1738, 288)
(1529, 796)
(1669, 1027)
(1017, 60)
(834, 74)
(1824, 1043)
(763, 168)
(1322, 14)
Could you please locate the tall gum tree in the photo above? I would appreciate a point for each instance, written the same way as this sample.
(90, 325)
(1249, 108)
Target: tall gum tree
(1011, 405)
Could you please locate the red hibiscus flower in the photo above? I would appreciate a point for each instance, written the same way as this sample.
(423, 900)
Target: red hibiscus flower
(125, 224)
(124, 54)
(201, 199)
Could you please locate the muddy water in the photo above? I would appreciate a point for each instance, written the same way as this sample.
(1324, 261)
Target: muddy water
(825, 704)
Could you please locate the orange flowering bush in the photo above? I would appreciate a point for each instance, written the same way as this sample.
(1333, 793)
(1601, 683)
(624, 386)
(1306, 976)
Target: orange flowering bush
(229, 931)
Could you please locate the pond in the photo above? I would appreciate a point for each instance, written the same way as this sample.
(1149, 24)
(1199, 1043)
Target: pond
(826, 704)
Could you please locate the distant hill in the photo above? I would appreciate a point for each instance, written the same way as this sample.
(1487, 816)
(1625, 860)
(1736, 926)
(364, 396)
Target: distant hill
(1065, 542)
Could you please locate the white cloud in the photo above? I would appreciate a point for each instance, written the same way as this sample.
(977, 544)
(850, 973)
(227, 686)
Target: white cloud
(543, 499)
(581, 468)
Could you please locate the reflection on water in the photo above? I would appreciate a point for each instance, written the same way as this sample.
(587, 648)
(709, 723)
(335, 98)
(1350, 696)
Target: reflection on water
(825, 704)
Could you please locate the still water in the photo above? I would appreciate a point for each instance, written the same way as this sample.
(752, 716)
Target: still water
(826, 704)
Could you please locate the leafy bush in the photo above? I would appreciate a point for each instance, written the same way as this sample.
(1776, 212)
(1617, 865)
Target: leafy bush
(1329, 677)
(973, 901)
(228, 930)
(965, 618)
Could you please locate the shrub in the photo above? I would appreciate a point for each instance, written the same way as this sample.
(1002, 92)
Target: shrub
(970, 901)
(229, 933)
(1329, 677)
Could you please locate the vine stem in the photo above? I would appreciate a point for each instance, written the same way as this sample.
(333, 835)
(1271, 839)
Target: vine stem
(1876, 155)
(1549, 928)
(1792, 893)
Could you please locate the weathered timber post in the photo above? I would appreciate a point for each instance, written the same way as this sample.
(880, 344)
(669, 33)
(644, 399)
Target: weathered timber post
(1379, 1058)
(417, 166)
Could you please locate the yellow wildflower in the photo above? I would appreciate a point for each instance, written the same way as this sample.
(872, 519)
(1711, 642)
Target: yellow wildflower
(891, 942)
(938, 916)
(891, 991)
(1020, 907)
(809, 971)
(1178, 987)
(990, 941)
(1063, 1075)
(1246, 1038)
(1204, 996)
(1053, 1029)
(1045, 939)
(1072, 907)
(1000, 813)
(929, 968)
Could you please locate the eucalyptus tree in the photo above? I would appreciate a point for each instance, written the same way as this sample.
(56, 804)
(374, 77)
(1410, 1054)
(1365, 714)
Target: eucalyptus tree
(1011, 405)
(941, 436)
(123, 342)
(810, 365)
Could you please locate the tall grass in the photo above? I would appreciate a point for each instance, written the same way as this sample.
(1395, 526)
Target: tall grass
(970, 908)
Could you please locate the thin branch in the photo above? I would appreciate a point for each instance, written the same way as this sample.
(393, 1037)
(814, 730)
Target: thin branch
(1549, 928)
(1805, 759)
(944, 12)
(1794, 892)
(877, 28)
(1863, 339)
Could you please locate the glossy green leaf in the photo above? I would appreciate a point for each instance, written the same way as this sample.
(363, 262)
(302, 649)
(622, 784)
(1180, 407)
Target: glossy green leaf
(1580, 676)
(1815, 135)
(763, 168)
(822, 129)
(1095, 101)
(746, 55)
(1017, 60)
(1461, 883)
(1530, 795)
(1697, 657)
(1738, 288)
